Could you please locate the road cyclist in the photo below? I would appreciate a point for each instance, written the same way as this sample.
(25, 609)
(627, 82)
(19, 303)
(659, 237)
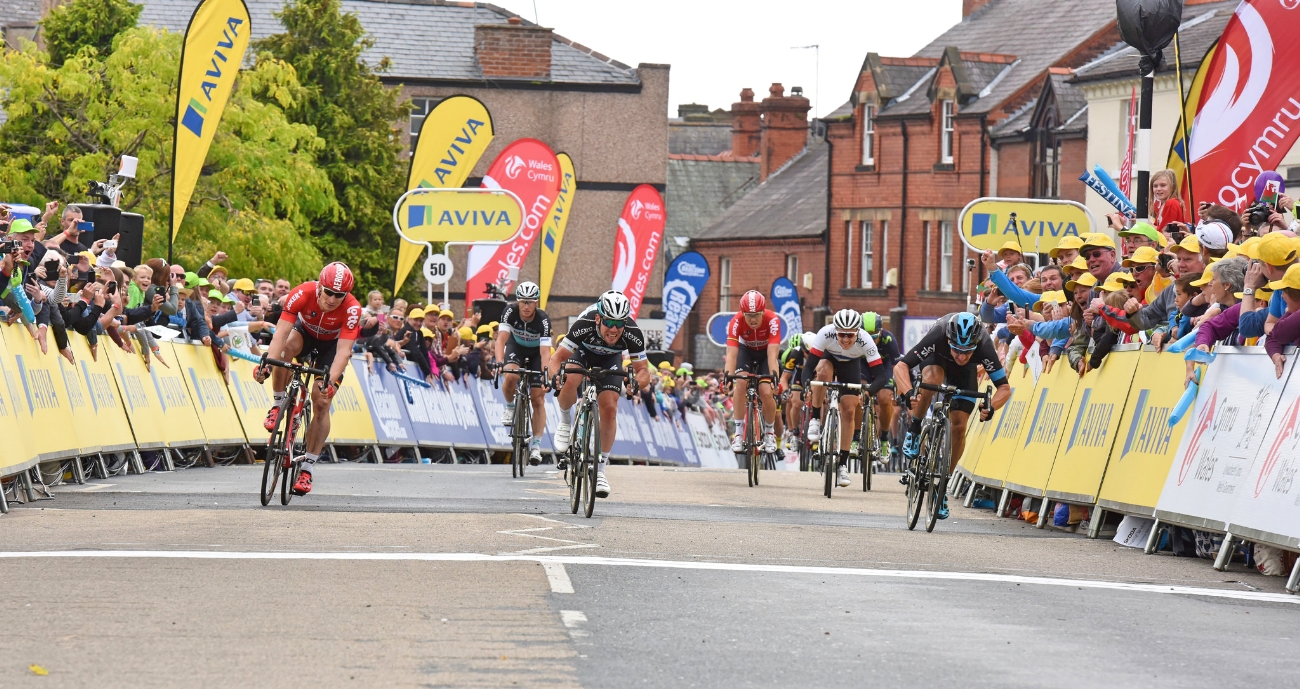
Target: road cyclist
(792, 383)
(842, 352)
(524, 344)
(753, 346)
(597, 340)
(949, 354)
(887, 345)
(320, 322)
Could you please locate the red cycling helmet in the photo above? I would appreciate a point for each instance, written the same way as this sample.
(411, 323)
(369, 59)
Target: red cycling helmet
(336, 277)
(753, 302)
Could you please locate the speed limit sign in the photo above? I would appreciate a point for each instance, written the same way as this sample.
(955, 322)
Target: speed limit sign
(437, 269)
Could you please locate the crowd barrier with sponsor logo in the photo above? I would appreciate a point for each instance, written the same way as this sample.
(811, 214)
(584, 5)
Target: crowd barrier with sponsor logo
(1104, 441)
(182, 404)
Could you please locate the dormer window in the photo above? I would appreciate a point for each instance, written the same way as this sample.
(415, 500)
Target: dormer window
(947, 133)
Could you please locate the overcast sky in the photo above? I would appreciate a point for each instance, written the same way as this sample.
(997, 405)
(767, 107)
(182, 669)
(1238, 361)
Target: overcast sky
(717, 47)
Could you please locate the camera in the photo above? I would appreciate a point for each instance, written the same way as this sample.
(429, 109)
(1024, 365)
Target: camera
(1258, 214)
(9, 246)
(1164, 260)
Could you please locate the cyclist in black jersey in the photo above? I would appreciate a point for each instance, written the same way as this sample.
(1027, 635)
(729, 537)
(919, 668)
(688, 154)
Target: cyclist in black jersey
(597, 340)
(524, 342)
(792, 374)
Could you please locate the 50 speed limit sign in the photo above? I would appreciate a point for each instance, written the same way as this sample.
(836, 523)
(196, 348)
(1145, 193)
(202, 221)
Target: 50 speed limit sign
(437, 269)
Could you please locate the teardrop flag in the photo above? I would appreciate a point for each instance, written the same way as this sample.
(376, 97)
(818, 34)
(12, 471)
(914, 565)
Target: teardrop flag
(640, 230)
(556, 222)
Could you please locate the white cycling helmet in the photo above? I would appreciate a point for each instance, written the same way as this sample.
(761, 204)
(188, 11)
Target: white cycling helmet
(847, 319)
(528, 291)
(614, 305)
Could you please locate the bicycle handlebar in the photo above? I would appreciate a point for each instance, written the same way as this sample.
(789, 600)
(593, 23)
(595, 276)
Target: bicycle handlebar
(536, 376)
(296, 368)
(746, 375)
(838, 386)
(951, 391)
(595, 373)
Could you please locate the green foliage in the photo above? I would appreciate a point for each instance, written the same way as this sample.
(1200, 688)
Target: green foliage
(354, 113)
(260, 191)
(86, 23)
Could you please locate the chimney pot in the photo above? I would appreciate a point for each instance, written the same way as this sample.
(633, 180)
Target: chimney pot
(776, 91)
(515, 20)
(747, 95)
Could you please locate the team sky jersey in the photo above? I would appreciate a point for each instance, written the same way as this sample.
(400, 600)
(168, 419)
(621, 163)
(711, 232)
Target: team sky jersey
(301, 308)
(935, 344)
(534, 333)
(824, 344)
(739, 334)
(585, 335)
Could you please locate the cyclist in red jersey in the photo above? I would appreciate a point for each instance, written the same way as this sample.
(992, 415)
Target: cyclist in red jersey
(320, 322)
(753, 345)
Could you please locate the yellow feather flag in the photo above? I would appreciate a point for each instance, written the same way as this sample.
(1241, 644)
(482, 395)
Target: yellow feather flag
(214, 47)
(455, 134)
(1178, 149)
(555, 225)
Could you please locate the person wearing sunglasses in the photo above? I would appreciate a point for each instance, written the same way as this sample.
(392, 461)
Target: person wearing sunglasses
(597, 340)
(320, 322)
(950, 353)
(1099, 252)
(524, 341)
(753, 345)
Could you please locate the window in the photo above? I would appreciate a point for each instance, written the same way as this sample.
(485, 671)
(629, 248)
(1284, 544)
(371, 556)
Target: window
(869, 135)
(792, 268)
(1047, 158)
(868, 256)
(925, 226)
(945, 255)
(724, 284)
(848, 251)
(947, 132)
(420, 109)
(884, 253)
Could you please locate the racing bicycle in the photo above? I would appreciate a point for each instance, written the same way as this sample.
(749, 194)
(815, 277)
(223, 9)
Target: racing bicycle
(584, 444)
(828, 446)
(927, 473)
(521, 428)
(753, 440)
(285, 445)
(869, 446)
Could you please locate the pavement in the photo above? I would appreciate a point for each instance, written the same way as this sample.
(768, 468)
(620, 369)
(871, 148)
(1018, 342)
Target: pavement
(434, 575)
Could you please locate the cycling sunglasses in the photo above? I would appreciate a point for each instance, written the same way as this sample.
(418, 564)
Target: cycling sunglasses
(840, 335)
(331, 293)
(960, 350)
(611, 323)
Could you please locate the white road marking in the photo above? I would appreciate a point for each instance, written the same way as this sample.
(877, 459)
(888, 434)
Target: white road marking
(571, 620)
(665, 564)
(559, 578)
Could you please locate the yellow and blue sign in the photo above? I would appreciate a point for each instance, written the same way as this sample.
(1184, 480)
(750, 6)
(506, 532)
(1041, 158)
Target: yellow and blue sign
(1037, 444)
(1095, 422)
(207, 387)
(553, 238)
(1037, 224)
(214, 47)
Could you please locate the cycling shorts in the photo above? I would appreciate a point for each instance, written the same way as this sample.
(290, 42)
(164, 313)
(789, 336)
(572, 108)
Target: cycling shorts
(527, 358)
(849, 371)
(964, 377)
(612, 362)
(753, 361)
(316, 353)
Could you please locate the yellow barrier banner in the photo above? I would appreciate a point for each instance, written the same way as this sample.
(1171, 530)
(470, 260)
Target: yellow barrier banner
(991, 466)
(215, 42)
(977, 435)
(136, 387)
(1039, 439)
(16, 453)
(1094, 422)
(251, 400)
(1145, 447)
(350, 420)
(112, 428)
(207, 386)
(36, 388)
(179, 410)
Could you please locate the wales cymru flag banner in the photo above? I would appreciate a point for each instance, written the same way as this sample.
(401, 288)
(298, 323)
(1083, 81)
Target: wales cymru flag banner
(530, 169)
(455, 134)
(640, 230)
(214, 47)
(1248, 115)
(556, 222)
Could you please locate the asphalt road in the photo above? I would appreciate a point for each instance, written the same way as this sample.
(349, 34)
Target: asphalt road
(461, 576)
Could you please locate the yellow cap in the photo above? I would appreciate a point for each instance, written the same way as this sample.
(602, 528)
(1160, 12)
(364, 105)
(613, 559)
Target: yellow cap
(1249, 248)
(494, 325)
(416, 313)
(1079, 263)
(1011, 246)
(1049, 297)
(1209, 274)
(1085, 280)
(426, 332)
(1065, 243)
(1144, 255)
(465, 333)
(484, 329)
(244, 285)
(1189, 243)
(1261, 294)
(446, 314)
(1274, 248)
(664, 365)
(1098, 239)
(1290, 279)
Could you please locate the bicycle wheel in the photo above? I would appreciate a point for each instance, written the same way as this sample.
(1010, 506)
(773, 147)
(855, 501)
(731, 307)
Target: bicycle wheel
(829, 445)
(295, 442)
(575, 458)
(271, 464)
(525, 428)
(751, 445)
(518, 443)
(937, 478)
(915, 491)
(866, 447)
(591, 463)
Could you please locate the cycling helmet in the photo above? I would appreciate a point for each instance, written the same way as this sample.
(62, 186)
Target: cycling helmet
(795, 340)
(528, 291)
(614, 305)
(753, 302)
(847, 319)
(963, 332)
(871, 322)
(337, 277)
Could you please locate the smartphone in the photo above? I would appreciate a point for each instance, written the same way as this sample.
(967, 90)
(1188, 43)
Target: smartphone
(1272, 189)
(51, 269)
(86, 226)
(110, 244)
(111, 288)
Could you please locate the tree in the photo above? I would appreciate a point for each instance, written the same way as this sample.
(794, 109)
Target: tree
(354, 113)
(93, 23)
(260, 191)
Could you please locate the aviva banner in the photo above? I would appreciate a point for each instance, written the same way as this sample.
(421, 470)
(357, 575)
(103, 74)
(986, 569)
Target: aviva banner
(986, 224)
(214, 47)
(455, 134)
(559, 219)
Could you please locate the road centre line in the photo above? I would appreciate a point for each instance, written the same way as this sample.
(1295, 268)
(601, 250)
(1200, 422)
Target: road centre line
(663, 564)
(559, 578)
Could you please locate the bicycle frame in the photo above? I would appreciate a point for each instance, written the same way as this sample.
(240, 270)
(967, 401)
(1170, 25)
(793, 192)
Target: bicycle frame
(927, 473)
(522, 426)
(753, 410)
(585, 444)
(830, 440)
(280, 465)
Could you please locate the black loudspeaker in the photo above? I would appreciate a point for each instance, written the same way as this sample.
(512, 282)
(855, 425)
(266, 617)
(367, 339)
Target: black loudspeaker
(490, 308)
(110, 220)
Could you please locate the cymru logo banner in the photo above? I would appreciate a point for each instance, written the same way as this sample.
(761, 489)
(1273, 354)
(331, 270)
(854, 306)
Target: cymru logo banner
(640, 230)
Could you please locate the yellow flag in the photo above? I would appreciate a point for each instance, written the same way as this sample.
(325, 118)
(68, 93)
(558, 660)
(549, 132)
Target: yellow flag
(455, 134)
(1178, 149)
(555, 225)
(213, 51)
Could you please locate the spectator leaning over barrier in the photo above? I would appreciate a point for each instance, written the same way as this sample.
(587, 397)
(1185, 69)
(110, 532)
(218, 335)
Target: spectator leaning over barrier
(1270, 259)
(1066, 250)
(1142, 265)
(241, 291)
(1287, 329)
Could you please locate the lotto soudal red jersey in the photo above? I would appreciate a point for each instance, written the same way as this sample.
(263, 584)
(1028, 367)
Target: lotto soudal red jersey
(739, 334)
(301, 307)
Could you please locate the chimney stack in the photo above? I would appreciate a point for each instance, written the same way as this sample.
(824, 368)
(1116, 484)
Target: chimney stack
(745, 136)
(969, 7)
(512, 50)
(785, 128)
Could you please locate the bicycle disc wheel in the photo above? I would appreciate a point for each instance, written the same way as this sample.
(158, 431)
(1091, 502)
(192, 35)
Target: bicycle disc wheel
(915, 491)
(937, 480)
(830, 448)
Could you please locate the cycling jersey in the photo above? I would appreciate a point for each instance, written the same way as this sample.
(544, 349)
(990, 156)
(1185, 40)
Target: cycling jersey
(888, 347)
(826, 345)
(302, 309)
(534, 333)
(584, 335)
(934, 349)
(739, 334)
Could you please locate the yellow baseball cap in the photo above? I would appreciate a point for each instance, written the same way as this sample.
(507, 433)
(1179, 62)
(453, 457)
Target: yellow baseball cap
(465, 333)
(1115, 282)
(1209, 274)
(1049, 297)
(1085, 280)
(1011, 246)
(1261, 294)
(446, 314)
(1249, 248)
(1290, 279)
(1144, 255)
(416, 313)
(426, 332)
(1100, 239)
(244, 285)
(1273, 248)
(1189, 243)
(1066, 243)
(1079, 263)
(665, 366)
(484, 329)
